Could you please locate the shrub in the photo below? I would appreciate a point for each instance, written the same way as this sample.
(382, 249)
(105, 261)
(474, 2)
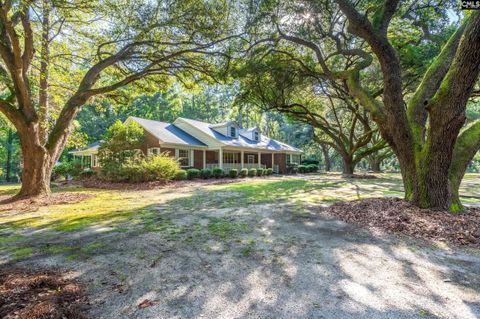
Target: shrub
(86, 174)
(205, 173)
(193, 173)
(141, 169)
(66, 169)
(233, 173)
(269, 171)
(260, 171)
(244, 172)
(252, 172)
(217, 172)
(302, 168)
(181, 175)
(311, 168)
(310, 161)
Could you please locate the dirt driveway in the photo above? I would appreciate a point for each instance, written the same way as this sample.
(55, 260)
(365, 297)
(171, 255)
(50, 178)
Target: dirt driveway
(256, 251)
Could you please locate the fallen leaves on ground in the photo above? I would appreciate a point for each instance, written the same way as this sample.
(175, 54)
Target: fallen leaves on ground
(399, 216)
(8, 203)
(148, 303)
(40, 294)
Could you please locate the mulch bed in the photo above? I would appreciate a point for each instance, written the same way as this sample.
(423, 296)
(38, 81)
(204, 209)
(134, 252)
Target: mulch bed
(400, 217)
(45, 294)
(101, 184)
(7, 203)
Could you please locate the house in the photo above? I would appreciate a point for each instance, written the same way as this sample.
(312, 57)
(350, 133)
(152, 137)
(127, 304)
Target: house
(203, 145)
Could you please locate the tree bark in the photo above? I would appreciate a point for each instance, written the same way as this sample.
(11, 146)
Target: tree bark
(375, 165)
(8, 168)
(326, 157)
(348, 165)
(37, 165)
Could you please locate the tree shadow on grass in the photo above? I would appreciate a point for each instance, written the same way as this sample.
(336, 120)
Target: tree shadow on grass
(195, 256)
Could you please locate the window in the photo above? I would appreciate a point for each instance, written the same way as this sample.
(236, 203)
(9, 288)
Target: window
(293, 159)
(153, 151)
(184, 157)
(230, 158)
(251, 159)
(233, 131)
(255, 135)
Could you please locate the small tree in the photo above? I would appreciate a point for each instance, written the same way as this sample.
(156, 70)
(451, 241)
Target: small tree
(120, 144)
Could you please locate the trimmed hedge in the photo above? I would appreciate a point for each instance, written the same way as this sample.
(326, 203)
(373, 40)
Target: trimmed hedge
(218, 172)
(269, 171)
(312, 168)
(302, 168)
(233, 173)
(244, 172)
(193, 173)
(252, 172)
(260, 171)
(205, 173)
(181, 175)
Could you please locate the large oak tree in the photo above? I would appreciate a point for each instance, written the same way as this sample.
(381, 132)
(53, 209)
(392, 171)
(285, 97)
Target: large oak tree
(420, 115)
(56, 55)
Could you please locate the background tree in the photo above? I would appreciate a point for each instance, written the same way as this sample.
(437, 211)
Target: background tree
(277, 84)
(94, 49)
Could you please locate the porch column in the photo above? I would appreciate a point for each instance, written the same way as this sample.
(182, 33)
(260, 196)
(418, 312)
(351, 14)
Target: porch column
(204, 159)
(259, 159)
(241, 158)
(191, 161)
(91, 161)
(220, 158)
(273, 158)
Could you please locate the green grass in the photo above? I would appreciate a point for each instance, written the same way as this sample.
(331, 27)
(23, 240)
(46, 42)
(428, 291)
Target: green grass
(226, 229)
(137, 212)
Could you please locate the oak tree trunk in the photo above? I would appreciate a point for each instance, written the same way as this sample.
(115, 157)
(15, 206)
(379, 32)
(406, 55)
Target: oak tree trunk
(348, 165)
(8, 168)
(37, 164)
(326, 157)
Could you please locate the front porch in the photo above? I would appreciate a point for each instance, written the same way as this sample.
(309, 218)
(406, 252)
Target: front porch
(228, 159)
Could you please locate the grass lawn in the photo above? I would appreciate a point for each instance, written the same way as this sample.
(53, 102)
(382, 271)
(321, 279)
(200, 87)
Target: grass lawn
(256, 239)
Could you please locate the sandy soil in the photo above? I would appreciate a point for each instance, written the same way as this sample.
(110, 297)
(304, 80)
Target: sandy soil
(201, 258)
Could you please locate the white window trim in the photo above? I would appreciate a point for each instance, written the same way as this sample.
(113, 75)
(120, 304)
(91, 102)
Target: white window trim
(250, 156)
(188, 157)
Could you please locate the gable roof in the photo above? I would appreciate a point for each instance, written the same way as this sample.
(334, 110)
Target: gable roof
(264, 143)
(167, 133)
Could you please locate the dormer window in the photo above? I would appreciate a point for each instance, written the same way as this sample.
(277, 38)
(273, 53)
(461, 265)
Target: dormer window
(233, 131)
(255, 136)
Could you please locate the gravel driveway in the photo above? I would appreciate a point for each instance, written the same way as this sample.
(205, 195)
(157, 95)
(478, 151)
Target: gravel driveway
(216, 254)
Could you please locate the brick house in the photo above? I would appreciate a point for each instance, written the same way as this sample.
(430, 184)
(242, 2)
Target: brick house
(203, 145)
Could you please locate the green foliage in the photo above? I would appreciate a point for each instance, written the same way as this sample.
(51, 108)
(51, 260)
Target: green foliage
(233, 173)
(193, 173)
(244, 172)
(269, 171)
(88, 173)
(119, 150)
(260, 171)
(153, 168)
(181, 175)
(310, 161)
(302, 168)
(311, 168)
(205, 173)
(68, 168)
(252, 172)
(218, 172)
